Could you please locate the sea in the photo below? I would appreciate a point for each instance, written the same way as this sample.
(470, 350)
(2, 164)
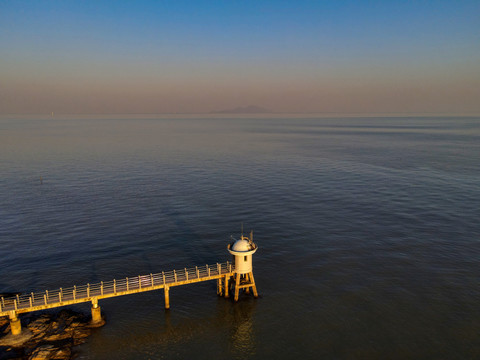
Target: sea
(367, 229)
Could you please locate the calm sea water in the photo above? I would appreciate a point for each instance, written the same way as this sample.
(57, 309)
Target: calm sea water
(368, 231)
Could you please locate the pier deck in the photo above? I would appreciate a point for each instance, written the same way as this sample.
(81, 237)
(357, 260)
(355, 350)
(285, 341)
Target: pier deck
(12, 306)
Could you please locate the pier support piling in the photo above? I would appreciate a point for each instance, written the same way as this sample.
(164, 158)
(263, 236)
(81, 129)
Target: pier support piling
(252, 283)
(245, 282)
(219, 287)
(166, 290)
(15, 324)
(226, 285)
(96, 312)
(237, 285)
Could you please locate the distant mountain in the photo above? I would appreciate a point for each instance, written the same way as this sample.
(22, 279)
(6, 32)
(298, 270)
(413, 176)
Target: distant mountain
(250, 109)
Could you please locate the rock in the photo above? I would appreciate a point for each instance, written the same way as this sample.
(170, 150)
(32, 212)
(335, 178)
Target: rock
(46, 336)
(4, 325)
(60, 336)
(50, 352)
(80, 336)
(40, 325)
(43, 352)
(63, 354)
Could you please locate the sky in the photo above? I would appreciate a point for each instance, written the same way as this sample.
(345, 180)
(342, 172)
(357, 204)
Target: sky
(113, 57)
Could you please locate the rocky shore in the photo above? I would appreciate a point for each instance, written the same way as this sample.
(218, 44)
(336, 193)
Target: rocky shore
(45, 336)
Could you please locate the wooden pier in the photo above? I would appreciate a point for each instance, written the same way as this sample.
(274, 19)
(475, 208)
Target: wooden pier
(223, 273)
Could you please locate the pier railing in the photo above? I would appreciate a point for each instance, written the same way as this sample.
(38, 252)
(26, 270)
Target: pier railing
(117, 287)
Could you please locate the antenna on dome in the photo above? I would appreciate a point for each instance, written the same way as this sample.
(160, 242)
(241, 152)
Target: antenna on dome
(242, 229)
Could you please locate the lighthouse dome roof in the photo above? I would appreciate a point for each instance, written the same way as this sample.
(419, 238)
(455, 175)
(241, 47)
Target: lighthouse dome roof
(242, 245)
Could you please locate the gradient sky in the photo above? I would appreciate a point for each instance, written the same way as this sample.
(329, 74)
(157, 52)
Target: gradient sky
(197, 56)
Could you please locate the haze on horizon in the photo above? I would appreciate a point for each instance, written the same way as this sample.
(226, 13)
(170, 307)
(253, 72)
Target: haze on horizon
(98, 57)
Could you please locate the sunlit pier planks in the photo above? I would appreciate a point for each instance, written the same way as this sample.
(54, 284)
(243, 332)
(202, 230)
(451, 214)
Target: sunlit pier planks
(48, 299)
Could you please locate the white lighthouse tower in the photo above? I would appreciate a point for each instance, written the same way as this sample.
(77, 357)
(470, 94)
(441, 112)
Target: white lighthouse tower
(242, 251)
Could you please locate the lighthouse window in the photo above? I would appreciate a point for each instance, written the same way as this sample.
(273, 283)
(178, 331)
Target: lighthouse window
(245, 258)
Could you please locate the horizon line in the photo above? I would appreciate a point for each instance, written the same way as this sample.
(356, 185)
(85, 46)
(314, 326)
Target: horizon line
(218, 114)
